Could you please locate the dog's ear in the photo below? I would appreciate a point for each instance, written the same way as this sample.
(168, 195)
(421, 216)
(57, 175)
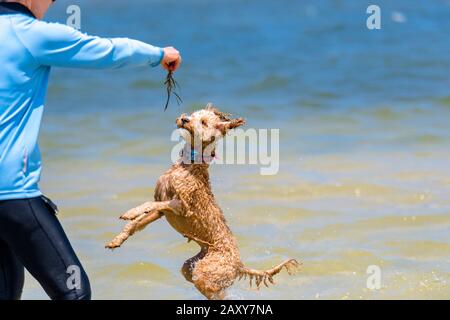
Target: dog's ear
(224, 126)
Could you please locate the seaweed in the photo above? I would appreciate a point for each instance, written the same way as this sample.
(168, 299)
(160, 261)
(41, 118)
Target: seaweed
(171, 86)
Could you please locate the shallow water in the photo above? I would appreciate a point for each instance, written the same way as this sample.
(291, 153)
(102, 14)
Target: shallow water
(363, 115)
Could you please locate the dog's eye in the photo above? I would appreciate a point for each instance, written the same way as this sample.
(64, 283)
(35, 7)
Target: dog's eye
(204, 123)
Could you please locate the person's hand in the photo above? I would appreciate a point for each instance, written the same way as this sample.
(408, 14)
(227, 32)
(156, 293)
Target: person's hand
(172, 59)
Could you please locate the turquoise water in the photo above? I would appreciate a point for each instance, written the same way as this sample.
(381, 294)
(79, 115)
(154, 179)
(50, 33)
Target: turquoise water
(364, 144)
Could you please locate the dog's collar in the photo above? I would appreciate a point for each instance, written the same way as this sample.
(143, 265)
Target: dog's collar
(196, 157)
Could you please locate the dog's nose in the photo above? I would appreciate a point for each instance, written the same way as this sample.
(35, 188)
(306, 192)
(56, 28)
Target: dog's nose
(184, 121)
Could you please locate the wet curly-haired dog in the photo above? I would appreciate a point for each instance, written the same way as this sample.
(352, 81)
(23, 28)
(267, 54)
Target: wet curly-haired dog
(183, 195)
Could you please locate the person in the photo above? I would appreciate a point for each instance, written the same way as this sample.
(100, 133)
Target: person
(31, 236)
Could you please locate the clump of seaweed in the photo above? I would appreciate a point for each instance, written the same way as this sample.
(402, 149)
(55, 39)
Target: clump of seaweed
(171, 86)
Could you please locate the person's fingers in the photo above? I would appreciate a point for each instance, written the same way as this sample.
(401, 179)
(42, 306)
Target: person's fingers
(171, 66)
(176, 64)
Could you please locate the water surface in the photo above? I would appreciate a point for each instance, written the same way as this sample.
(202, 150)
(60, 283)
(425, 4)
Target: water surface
(363, 115)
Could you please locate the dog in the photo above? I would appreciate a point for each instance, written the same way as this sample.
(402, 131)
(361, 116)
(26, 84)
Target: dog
(183, 195)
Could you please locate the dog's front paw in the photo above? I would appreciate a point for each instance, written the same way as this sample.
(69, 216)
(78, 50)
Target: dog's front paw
(135, 212)
(130, 214)
(127, 216)
(113, 244)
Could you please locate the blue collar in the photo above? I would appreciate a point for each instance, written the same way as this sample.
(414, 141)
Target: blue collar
(195, 156)
(14, 7)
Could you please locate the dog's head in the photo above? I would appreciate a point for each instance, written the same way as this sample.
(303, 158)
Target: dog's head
(208, 125)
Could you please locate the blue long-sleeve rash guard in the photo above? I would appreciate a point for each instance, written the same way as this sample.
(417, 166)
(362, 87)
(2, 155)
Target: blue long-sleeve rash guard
(28, 49)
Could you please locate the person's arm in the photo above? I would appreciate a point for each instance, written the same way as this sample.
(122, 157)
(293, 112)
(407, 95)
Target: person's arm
(55, 44)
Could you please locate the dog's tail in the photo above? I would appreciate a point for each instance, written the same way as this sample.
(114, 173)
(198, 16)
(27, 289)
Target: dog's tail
(265, 276)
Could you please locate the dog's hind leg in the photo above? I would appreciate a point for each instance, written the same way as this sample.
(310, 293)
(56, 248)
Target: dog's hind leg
(189, 265)
(131, 227)
(213, 274)
(211, 289)
(148, 207)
